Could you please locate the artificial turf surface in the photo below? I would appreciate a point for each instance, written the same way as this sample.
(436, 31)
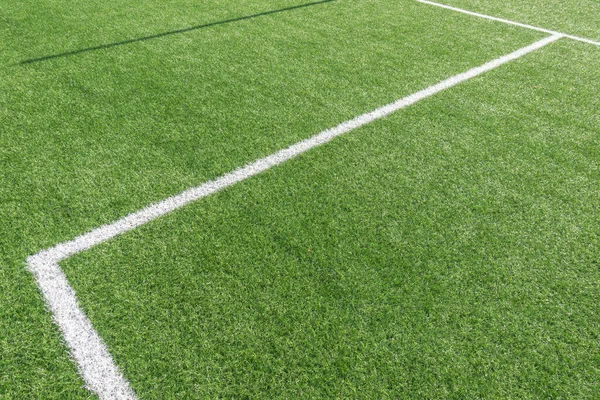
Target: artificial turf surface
(573, 17)
(448, 251)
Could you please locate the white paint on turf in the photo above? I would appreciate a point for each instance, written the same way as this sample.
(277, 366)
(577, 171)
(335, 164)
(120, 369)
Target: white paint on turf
(95, 363)
(506, 21)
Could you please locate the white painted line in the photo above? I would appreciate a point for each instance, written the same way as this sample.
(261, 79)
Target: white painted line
(506, 21)
(96, 366)
(95, 363)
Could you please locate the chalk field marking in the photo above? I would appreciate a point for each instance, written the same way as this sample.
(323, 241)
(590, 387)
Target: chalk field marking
(95, 363)
(506, 21)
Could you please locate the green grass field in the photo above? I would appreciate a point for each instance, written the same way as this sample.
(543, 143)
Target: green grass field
(450, 250)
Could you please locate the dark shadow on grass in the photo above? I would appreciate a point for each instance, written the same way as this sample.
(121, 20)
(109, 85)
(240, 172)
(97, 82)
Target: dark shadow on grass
(163, 34)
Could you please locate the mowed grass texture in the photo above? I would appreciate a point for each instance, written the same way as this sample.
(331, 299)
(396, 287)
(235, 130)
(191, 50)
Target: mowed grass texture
(449, 251)
(86, 138)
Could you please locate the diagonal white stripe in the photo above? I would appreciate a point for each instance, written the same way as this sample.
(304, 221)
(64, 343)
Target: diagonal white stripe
(506, 21)
(97, 367)
(99, 371)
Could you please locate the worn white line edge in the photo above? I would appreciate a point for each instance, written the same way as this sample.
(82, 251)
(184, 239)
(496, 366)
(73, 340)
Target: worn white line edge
(95, 363)
(506, 21)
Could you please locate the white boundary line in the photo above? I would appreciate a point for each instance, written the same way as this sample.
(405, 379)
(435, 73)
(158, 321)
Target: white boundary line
(506, 21)
(94, 361)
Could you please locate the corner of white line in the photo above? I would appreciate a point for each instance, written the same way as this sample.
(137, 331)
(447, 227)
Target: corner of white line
(37, 262)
